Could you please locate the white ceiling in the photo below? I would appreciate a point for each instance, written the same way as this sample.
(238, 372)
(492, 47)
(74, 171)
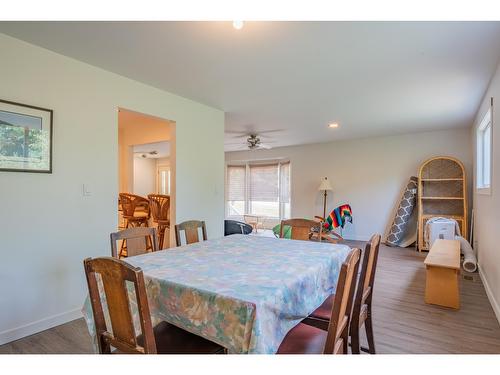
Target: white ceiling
(373, 78)
(162, 150)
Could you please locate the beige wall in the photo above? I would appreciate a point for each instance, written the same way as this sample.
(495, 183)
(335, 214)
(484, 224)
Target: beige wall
(47, 226)
(487, 207)
(137, 129)
(369, 174)
(144, 176)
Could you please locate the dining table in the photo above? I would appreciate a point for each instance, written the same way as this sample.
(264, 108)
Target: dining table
(243, 292)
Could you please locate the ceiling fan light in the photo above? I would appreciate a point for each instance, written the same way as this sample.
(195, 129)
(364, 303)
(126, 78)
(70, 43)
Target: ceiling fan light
(238, 25)
(333, 125)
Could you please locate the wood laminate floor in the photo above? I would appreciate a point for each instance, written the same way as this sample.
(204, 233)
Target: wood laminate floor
(403, 322)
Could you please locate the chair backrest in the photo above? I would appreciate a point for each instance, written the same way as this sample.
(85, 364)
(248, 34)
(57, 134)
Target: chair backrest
(364, 290)
(250, 218)
(129, 203)
(342, 304)
(190, 229)
(114, 273)
(137, 239)
(301, 228)
(159, 206)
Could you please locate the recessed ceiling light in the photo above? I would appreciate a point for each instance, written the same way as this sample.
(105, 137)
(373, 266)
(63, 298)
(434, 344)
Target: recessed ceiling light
(333, 125)
(238, 25)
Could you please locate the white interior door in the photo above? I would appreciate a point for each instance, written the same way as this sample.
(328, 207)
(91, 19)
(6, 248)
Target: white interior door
(163, 185)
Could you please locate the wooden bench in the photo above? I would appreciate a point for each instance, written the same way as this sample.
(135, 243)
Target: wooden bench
(443, 269)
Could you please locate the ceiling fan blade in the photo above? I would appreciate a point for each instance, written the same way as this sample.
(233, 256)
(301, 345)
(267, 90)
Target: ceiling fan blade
(271, 131)
(265, 146)
(239, 136)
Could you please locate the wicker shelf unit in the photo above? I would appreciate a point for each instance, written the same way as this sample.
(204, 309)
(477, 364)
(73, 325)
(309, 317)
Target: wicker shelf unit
(442, 191)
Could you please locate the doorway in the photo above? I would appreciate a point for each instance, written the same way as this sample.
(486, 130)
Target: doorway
(145, 162)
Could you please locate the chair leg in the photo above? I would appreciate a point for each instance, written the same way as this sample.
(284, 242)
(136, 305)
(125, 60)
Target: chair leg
(369, 331)
(354, 339)
(122, 247)
(161, 236)
(345, 340)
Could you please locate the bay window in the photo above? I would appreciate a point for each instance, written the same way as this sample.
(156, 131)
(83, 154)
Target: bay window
(261, 189)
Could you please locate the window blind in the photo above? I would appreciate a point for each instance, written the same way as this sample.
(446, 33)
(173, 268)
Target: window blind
(235, 182)
(261, 189)
(264, 183)
(285, 183)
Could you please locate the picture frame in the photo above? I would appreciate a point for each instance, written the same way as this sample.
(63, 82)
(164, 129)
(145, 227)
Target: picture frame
(25, 138)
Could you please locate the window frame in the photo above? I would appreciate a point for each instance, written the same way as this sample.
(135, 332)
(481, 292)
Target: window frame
(247, 165)
(485, 124)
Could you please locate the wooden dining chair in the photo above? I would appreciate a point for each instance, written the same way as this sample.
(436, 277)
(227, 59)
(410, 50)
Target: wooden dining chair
(307, 339)
(159, 206)
(135, 210)
(362, 309)
(302, 229)
(135, 241)
(164, 338)
(362, 306)
(190, 229)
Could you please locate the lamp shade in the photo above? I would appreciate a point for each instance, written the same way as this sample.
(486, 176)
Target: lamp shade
(325, 185)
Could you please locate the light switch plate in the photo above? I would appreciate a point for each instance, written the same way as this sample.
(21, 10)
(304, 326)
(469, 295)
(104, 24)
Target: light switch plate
(86, 190)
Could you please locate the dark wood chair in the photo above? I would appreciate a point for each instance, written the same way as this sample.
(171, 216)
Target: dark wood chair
(362, 307)
(307, 339)
(190, 229)
(136, 241)
(164, 338)
(302, 229)
(135, 210)
(159, 206)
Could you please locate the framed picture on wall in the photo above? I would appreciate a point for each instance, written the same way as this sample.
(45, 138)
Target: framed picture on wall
(25, 138)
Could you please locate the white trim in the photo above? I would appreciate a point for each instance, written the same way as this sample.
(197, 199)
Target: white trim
(486, 122)
(39, 325)
(484, 191)
(494, 304)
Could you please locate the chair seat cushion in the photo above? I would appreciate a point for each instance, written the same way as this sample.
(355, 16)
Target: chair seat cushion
(138, 215)
(303, 339)
(174, 340)
(324, 312)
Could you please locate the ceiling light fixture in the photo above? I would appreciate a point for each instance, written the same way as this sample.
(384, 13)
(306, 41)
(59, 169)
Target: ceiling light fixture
(238, 25)
(333, 125)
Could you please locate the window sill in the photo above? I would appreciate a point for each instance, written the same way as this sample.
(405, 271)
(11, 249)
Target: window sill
(483, 191)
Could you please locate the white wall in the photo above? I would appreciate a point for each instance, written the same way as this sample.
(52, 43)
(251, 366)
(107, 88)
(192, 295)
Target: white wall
(47, 227)
(369, 174)
(487, 207)
(144, 176)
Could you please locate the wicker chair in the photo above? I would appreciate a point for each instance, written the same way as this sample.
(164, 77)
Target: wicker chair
(160, 211)
(135, 210)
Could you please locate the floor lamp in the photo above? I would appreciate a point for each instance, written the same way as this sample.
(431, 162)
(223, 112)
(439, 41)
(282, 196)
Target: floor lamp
(325, 186)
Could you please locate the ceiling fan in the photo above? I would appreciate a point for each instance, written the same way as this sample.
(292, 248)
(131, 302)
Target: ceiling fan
(253, 142)
(146, 154)
(253, 139)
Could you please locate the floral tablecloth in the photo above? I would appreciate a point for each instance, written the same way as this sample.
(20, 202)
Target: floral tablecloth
(242, 292)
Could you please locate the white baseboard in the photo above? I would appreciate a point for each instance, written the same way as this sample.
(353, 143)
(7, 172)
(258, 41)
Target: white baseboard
(489, 293)
(38, 326)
